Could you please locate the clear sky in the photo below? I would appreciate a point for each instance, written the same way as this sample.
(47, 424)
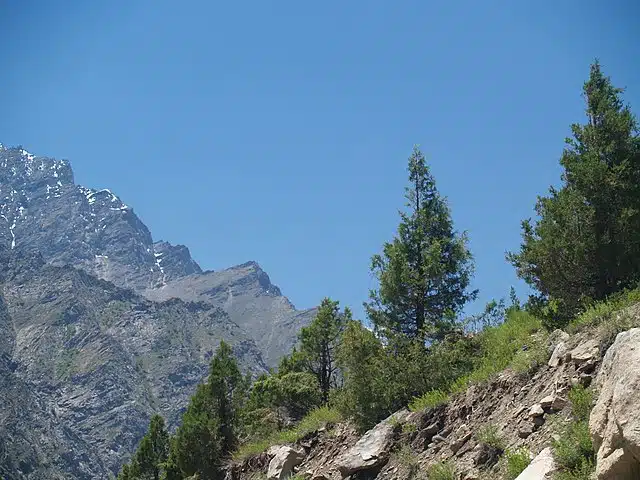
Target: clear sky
(278, 131)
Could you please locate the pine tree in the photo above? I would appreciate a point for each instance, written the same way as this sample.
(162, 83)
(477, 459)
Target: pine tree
(208, 432)
(227, 386)
(125, 473)
(424, 273)
(152, 452)
(319, 342)
(586, 243)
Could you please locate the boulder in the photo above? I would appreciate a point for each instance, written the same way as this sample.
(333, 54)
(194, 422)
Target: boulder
(372, 450)
(536, 411)
(283, 461)
(586, 352)
(553, 402)
(558, 355)
(615, 419)
(541, 468)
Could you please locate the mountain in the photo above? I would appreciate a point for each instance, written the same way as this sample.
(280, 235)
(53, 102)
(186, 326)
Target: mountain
(251, 300)
(100, 326)
(43, 210)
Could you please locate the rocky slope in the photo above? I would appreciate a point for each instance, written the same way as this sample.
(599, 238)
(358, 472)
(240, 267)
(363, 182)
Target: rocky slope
(100, 326)
(43, 210)
(525, 411)
(251, 300)
(96, 361)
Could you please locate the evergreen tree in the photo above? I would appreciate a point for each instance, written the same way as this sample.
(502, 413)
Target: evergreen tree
(125, 473)
(196, 446)
(152, 452)
(424, 273)
(227, 386)
(319, 342)
(586, 243)
(208, 432)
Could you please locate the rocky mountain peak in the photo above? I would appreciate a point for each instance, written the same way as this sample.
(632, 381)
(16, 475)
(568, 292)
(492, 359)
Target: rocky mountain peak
(42, 209)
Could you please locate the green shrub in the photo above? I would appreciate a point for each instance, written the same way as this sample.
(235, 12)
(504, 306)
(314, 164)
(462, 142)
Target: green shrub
(313, 421)
(407, 458)
(581, 402)
(490, 435)
(517, 461)
(604, 312)
(574, 449)
(429, 400)
(441, 471)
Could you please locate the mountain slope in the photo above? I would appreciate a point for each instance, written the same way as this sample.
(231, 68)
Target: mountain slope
(101, 360)
(251, 300)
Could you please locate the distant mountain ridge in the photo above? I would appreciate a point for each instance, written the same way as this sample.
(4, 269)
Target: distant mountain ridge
(100, 325)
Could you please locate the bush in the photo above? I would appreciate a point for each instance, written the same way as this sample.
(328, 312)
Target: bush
(441, 471)
(517, 461)
(314, 420)
(429, 400)
(490, 435)
(581, 402)
(573, 451)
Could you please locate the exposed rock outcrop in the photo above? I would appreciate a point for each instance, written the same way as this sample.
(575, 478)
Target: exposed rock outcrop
(283, 461)
(615, 419)
(541, 468)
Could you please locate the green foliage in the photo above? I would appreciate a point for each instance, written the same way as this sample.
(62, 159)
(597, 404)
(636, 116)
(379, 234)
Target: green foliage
(66, 365)
(424, 272)
(516, 461)
(586, 243)
(360, 359)
(431, 399)
(490, 436)
(581, 400)
(125, 473)
(152, 452)
(441, 471)
(209, 428)
(475, 360)
(314, 420)
(298, 392)
(607, 316)
(573, 449)
(408, 459)
(319, 344)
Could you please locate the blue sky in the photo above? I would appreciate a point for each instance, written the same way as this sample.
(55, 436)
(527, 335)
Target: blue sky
(279, 131)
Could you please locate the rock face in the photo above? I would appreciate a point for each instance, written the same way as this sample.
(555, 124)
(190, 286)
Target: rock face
(99, 328)
(251, 300)
(372, 450)
(615, 419)
(283, 461)
(541, 468)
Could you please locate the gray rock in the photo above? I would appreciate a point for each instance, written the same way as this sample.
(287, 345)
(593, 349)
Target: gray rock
(553, 402)
(536, 411)
(615, 419)
(541, 468)
(370, 451)
(558, 355)
(283, 461)
(585, 352)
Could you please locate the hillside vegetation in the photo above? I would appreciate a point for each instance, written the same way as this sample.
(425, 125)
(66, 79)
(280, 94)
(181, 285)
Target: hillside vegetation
(581, 256)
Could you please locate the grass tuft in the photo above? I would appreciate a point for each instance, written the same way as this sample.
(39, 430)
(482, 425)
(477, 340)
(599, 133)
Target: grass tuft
(517, 461)
(441, 471)
(490, 435)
